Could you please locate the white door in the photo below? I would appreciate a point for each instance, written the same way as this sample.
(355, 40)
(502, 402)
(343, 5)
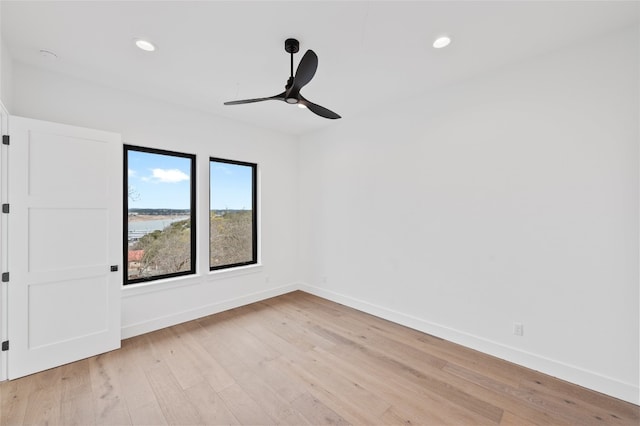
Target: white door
(65, 228)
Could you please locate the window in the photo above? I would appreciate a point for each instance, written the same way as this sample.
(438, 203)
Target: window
(159, 213)
(232, 222)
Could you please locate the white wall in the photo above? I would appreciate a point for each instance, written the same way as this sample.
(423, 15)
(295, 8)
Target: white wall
(6, 76)
(47, 96)
(5, 70)
(512, 197)
(2, 50)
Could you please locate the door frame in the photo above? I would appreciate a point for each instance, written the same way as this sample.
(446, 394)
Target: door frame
(4, 196)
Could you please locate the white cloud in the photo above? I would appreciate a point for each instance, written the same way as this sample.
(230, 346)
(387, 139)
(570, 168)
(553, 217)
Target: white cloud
(224, 169)
(167, 176)
(131, 173)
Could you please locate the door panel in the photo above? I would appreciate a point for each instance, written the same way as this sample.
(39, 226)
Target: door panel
(88, 236)
(65, 225)
(45, 296)
(86, 176)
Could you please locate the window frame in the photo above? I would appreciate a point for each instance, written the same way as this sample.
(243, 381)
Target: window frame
(254, 214)
(193, 190)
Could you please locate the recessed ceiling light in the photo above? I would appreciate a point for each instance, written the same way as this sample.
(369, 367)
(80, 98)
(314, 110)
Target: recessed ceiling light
(441, 42)
(145, 45)
(47, 54)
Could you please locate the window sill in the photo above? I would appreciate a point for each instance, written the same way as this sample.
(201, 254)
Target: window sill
(159, 285)
(187, 280)
(220, 274)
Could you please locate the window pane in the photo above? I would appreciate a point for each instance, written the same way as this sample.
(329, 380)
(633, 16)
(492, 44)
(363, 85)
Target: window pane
(232, 229)
(160, 214)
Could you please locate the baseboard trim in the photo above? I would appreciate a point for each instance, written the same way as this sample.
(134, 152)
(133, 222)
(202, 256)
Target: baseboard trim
(588, 379)
(203, 311)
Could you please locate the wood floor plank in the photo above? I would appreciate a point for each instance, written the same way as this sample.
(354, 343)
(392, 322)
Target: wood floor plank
(110, 408)
(75, 379)
(137, 357)
(421, 372)
(148, 414)
(216, 345)
(345, 397)
(180, 359)
(78, 410)
(510, 419)
(508, 397)
(14, 396)
(285, 327)
(393, 417)
(47, 378)
(244, 408)
(272, 338)
(297, 320)
(351, 330)
(270, 401)
(316, 412)
(210, 369)
(277, 374)
(504, 371)
(227, 335)
(572, 397)
(43, 407)
(394, 388)
(211, 407)
(176, 407)
(135, 388)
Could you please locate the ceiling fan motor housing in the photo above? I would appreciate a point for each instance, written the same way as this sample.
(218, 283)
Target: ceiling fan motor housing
(291, 45)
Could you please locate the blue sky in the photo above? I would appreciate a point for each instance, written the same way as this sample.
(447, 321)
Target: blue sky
(158, 181)
(162, 181)
(230, 186)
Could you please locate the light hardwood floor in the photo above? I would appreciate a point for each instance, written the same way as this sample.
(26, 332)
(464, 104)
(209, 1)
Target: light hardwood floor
(298, 359)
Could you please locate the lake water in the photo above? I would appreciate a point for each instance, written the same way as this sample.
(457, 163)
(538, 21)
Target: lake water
(141, 228)
(153, 225)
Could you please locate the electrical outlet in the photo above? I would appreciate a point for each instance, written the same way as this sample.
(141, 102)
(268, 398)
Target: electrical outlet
(518, 329)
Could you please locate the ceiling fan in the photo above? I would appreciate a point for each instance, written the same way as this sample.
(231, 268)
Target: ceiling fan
(291, 95)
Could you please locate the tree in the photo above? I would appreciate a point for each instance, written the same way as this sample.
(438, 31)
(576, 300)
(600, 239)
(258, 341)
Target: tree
(166, 251)
(132, 193)
(231, 238)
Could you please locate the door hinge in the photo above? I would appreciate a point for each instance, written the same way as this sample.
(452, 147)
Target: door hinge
(5, 139)
(5, 345)
(5, 208)
(5, 277)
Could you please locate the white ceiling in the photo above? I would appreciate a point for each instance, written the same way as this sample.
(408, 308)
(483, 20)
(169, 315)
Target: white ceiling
(370, 52)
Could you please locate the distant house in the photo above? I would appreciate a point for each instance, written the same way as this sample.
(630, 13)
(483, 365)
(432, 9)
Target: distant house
(134, 260)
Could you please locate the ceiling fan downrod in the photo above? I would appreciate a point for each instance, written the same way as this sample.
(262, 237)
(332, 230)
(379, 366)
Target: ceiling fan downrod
(291, 46)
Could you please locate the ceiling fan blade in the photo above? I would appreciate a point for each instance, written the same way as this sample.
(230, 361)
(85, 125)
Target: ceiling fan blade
(319, 110)
(279, 97)
(305, 72)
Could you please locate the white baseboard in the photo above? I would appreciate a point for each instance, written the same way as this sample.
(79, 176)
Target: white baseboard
(588, 379)
(202, 311)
